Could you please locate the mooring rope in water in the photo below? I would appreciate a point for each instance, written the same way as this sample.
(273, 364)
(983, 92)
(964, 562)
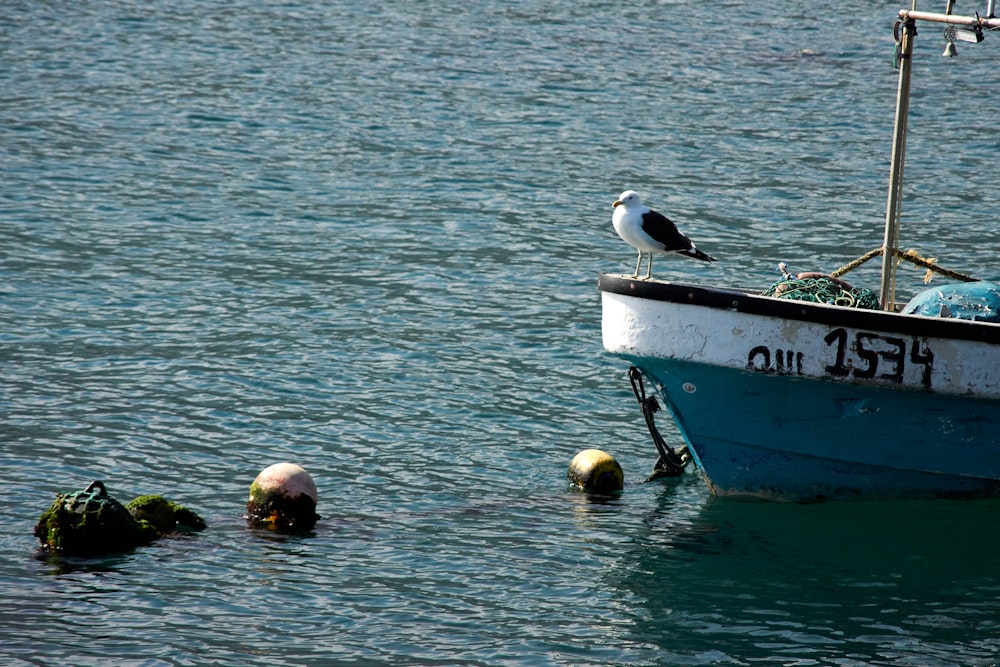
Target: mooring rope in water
(822, 290)
(670, 463)
(910, 256)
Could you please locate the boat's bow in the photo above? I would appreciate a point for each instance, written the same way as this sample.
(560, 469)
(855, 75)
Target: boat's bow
(804, 400)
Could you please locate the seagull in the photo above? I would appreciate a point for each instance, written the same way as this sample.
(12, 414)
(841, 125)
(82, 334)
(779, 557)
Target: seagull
(648, 231)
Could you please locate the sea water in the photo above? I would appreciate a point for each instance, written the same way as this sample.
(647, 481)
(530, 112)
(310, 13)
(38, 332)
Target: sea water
(364, 238)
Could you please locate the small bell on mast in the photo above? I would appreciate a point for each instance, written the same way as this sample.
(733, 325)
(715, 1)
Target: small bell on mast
(949, 49)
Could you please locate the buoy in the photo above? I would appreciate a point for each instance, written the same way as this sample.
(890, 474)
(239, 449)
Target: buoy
(283, 498)
(595, 471)
(92, 523)
(164, 515)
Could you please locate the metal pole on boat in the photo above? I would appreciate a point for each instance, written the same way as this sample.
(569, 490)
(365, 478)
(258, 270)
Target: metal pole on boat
(906, 30)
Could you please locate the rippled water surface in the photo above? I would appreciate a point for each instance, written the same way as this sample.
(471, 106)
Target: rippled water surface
(364, 237)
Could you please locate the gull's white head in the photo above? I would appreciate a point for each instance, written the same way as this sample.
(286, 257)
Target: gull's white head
(627, 199)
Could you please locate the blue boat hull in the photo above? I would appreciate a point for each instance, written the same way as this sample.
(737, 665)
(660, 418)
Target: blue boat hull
(802, 439)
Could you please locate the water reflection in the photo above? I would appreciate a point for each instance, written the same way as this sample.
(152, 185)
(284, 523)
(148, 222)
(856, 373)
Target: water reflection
(56, 564)
(818, 581)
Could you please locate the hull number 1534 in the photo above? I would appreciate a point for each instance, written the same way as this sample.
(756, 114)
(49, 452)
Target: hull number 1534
(865, 356)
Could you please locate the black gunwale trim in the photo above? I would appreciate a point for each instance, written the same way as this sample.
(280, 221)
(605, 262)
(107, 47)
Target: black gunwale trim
(747, 302)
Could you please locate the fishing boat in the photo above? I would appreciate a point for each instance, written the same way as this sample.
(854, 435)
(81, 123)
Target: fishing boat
(784, 397)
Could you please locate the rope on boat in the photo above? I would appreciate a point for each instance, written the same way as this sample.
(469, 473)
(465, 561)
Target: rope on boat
(823, 290)
(910, 256)
(671, 463)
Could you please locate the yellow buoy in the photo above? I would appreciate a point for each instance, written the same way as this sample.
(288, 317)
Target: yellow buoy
(595, 471)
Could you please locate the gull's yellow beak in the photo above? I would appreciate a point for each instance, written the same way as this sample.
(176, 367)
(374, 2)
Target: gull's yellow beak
(618, 202)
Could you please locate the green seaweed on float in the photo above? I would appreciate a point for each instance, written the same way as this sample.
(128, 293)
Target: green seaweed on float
(90, 523)
(166, 516)
(270, 508)
(93, 523)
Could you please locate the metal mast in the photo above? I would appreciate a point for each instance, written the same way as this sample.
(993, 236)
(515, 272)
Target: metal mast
(906, 29)
(964, 28)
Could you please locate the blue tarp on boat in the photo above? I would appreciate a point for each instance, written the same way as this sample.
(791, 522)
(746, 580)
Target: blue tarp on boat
(965, 301)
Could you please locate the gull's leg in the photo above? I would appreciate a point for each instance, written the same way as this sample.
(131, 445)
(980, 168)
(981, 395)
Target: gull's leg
(649, 271)
(635, 274)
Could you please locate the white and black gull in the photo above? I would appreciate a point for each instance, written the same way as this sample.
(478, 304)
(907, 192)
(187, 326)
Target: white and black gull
(648, 231)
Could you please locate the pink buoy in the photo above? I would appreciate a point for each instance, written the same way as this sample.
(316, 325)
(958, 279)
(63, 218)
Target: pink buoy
(283, 497)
